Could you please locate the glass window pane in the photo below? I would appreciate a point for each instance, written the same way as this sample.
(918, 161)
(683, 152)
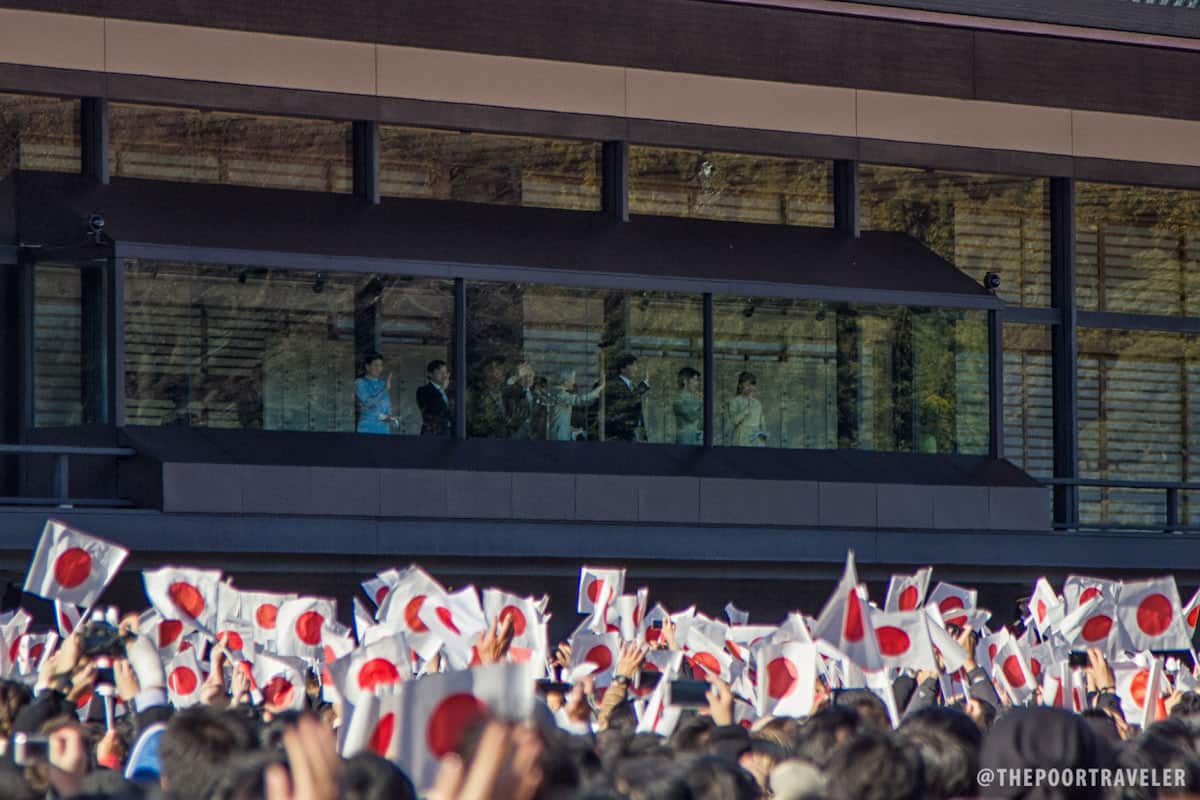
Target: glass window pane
(192, 146)
(537, 354)
(1136, 394)
(38, 133)
(806, 374)
(485, 168)
(1138, 249)
(730, 186)
(249, 347)
(68, 346)
(1028, 400)
(980, 223)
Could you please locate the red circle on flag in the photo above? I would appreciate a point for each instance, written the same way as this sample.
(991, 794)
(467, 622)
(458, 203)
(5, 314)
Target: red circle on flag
(892, 641)
(168, 631)
(412, 614)
(1035, 666)
(1041, 610)
(782, 677)
(328, 654)
(949, 604)
(72, 567)
(266, 614)
(908, 598)
(381, 737)
(992, 650)
(1013, 672)
(1137, 687)
(1088, 594)
(518, 619)
(187, 598)
(84, 701)
(65, 622)
(185, 646)
(15, 648)
(601, 656)
(308, 627)
(519, 655)
(637, 616)
(1096, 628)
(449, 720)
(381, 594)
(653, 634)
(233, 640)
(183, 680)
(35, 652)
(444, 614)
(1154, 614)
(707, 662)
(279, 692)
(377, 672)
(593, 589)
(1058, 695)
(1193, 615)
(852, 631)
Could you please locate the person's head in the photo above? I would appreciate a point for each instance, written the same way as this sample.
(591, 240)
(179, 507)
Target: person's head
(1042, 737)
(627, 365)
(372, 777)
(747, 384)
(196, 746)
(820, 734)
(566, 378)
(948, 742)
(373, 364)
(13, 697)
(437, 372)
(689, 379)
(875, 765)
(493, 371)
(718, 778)
(1187, 706)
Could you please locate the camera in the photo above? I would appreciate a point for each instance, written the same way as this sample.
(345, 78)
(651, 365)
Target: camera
(102, 639)
(28, 750)
(95, 223)
(991, 281)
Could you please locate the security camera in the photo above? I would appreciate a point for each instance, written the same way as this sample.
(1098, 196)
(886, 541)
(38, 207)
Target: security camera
(707, 168)
(991, 281)
(95, 223)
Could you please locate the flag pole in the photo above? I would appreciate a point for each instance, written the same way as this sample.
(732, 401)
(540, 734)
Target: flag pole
(603, 409)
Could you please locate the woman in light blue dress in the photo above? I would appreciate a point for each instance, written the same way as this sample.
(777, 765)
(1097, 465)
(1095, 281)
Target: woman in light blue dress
(559, 400)
(372, 397)
(689, 408)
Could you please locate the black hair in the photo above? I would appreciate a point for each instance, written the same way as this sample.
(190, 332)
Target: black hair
(196, 747)
(948, 742)
(686, 374)
(875, 765)
(716, 778)
(434, 366)
(624, 360)
(746, 378)
(372, 777)
(821, 733)
(370, 357)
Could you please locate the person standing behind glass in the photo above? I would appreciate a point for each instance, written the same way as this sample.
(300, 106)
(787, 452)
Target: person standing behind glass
(433, 402)
(559, 400)
(372, 397)
(689, 408)
(623, 403)
(745, 414)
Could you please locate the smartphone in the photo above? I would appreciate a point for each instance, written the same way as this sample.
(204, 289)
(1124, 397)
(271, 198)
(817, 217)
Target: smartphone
(656, 623)
(28, 750)
(648, 678)
(548, 686)
(1077, 659)
(104, 675)
(687, 694)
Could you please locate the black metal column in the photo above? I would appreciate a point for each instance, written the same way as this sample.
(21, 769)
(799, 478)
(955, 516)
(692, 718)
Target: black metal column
(460, 358)
(614, 173)
(365, 155)
(25, 362)
(114, 340)
(368, 325)
(1064, 348)
(93, 345)
(710, 369)
(995, 384)
(845, 197)
(93, 138)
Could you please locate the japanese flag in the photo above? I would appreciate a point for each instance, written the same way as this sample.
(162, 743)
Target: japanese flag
(236, 636)
(907, 592)
(377, 588)
(1140, 690)
(1091, 625)
(28, 651)
(845, 624)
(708, 656)
(1011, 667)
(432, 713)
(952, 602)
(184, 679)
(67, 617)
(300, 627)
(401, 609)
(786, 679)
(530, 640)
(735, 615)
(988, 647)
(167, 634)
(281, 681)
(1191, 612)
(903, 638)
(594, 655)
(1078, 589)
(740, 640)
(656, 716)
(457, 620)
(180, 593)
(72, 566)
(367, 670)
(1150, 617)
(260, 610)
(592, 580)
(1048, 608)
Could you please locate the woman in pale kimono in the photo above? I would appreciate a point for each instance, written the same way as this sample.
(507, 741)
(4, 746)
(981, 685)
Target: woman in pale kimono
(559, 400)
(744, 415)
(689, 408)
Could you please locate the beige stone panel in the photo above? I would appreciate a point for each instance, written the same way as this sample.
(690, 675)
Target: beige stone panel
(67, 41)
(1136, 138)
(742, 103)
(454, 77)
(225, 56)
(966, 123)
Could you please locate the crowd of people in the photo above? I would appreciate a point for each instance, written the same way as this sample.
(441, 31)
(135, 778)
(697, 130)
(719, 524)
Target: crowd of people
(521, 404)
(222, 692)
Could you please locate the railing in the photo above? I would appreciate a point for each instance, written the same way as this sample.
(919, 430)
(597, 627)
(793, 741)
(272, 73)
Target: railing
(62, 476)
(1171, 491)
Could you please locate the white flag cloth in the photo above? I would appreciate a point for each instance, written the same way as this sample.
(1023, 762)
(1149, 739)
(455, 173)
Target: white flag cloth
(988, 647)
(740, 640)
(907, 592)
(708, 656)
(735, 615)
(236, 636)
(904, 640)
(1091, 624)
(592, 581)
(184, 679)
(401, 609)
(433, 712)
(367, 669)
(530, 638)
(457, 621)
(66, 616)
(1150, 616)
(167, 634)
(1191, 612)
(844, 622)
(1012, 668)
(594, 655)
(1078, 589)
(281, 681)
(377, 588)
(72, 566)
(29, 650)
(1140, 690)
(260, 610)
(952, 602)
(180, 593)
(300, 627)
(786, 679)
(1048, 608)
(657, 717)
(374, 726)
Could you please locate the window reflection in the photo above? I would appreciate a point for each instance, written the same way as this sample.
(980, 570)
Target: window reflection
(38, 133)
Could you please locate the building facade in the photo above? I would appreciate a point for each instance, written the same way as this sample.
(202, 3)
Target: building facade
(714, 289)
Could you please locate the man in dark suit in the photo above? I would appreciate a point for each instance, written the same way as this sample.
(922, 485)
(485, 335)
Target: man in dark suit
(623, 420)
(433, 402)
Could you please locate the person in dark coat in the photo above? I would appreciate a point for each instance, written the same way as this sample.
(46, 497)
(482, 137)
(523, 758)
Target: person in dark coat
(433, 400)
(623, 419)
